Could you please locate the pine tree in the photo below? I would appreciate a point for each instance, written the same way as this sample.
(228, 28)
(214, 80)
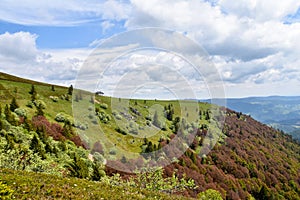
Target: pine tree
(67, 129)
(8, 115)
(39, 110)
(37, 147)
(48, 148)
(32, 91)
(13, 104)
(97, 173)
(26, 124)
(78, 167)
(33, 96)
(70, 90)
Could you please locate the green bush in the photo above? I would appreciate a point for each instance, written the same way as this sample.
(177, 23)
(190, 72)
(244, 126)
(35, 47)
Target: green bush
(62, 117)
(103, 105)
(30, 104)
(152, 179)
(105, 118)
(5, 191)
(21, 112)
(40, 103)
(54, 98)
(118, 117)
(209, 195)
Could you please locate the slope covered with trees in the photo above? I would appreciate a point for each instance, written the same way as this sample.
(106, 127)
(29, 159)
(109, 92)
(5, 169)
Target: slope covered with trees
(39, 135)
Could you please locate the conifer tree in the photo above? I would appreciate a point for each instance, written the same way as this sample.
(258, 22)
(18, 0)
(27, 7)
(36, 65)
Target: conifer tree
(37, 147)
(78, 167)
(70, 90)
(39, 110)
(97, 172)
(32, 91)
(13, 104)
(8, 115)
(33, 96)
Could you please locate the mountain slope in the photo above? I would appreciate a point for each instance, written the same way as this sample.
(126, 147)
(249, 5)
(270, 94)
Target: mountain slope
(282, 112)
(249, 159)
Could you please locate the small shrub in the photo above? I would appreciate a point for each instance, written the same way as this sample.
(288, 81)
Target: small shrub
(119, 130)
(210, 194)
(62, 117)
(30, 104)
(103, 105)
(118, 117)
(54, 98)
(40, 103)
(5, 191)
(112, 151)
(21, 112)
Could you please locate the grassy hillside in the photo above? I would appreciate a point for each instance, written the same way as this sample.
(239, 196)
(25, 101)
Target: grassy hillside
(28, 185)
(248, 159)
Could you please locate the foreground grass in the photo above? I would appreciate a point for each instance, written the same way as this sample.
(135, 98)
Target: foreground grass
(28, 185)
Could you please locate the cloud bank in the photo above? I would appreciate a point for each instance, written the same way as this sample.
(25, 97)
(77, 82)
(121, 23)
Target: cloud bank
(254, 44)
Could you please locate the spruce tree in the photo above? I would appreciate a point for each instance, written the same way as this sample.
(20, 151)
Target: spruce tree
(97, 172)
(13, 104)
(37, 147)
(70, 90)
(39, 110)
(78, 168)
(33, 96)
(8, 115)
(32, 91)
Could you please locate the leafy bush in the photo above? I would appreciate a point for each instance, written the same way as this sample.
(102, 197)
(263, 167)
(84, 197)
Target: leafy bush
(103, 105)
(81, 125)
(152, 179)
(21, 112)
(118, 117)
(40, 103)
(30, 104)
(5, 191)
(119, 130)
(105, 118)
(54, 98)
(62, 117)
(210, 194)
(112, 151)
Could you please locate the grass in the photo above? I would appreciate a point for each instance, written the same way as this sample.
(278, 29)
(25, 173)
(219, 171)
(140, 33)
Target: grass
(29, 185)
(19, 88)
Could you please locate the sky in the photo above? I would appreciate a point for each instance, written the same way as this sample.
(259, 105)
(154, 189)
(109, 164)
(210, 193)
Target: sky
(253, 45)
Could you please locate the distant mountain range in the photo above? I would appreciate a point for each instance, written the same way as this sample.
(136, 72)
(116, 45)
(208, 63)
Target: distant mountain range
(280, 112)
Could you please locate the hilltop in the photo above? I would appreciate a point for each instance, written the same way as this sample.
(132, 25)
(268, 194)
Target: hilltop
(43, 134)
(280, 112)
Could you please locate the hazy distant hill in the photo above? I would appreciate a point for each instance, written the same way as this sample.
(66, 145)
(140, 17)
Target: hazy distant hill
(282, 112)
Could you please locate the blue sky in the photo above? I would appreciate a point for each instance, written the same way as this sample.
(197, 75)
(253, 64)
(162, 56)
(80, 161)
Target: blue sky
(254, 44)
